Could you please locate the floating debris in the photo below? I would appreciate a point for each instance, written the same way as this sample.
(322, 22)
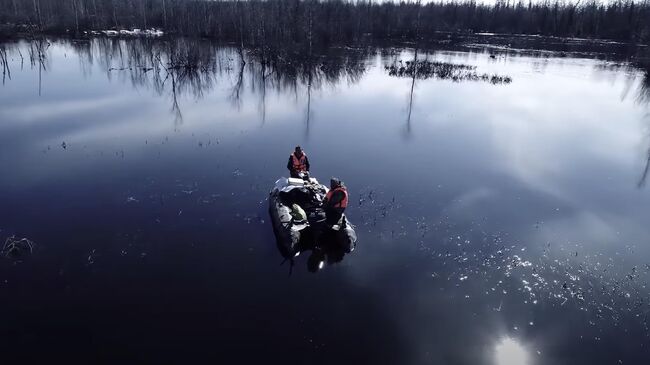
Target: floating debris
(91, 257)
(590, 282)
(15, 247)
(129, 32)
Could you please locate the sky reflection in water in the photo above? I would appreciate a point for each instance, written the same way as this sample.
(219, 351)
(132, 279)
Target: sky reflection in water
(509, 352)
(489, 216)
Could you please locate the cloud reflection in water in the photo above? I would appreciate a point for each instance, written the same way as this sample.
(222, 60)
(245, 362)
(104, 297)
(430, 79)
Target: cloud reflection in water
(511, 352)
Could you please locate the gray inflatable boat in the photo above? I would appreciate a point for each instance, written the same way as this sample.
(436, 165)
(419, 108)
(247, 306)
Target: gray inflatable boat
(298, 219)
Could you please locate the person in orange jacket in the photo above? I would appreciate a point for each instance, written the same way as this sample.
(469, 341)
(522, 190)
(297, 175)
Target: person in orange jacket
(298, 162)
(335, 201)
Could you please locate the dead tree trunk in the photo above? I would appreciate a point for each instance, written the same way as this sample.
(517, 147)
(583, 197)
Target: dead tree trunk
(75, 7)
(311, 22)
(144, 12)
(114, 14)
(37, 12)
(5, 65)
(164, 9)
(96, 17)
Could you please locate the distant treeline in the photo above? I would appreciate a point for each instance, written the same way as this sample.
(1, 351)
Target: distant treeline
(308, 22)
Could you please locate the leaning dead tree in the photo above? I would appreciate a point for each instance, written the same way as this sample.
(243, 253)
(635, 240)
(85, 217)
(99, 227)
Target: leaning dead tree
(6, 71)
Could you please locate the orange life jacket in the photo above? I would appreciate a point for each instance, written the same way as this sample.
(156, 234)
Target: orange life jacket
(299, 164)
(344, 202)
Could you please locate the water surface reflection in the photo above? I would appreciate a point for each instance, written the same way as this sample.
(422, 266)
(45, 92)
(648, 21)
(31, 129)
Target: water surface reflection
(509, 352)
(508, 225)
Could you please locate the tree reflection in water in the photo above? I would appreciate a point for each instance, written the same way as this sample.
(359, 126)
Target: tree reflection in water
(182, 67)
(191, 67)
(643, 97)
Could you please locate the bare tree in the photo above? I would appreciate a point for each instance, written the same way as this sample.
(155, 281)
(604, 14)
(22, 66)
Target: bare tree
(144, 12)
(76, 14)
(37, 13)
(312, 23)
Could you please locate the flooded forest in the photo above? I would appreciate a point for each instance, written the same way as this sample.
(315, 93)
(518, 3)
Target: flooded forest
(491, 161)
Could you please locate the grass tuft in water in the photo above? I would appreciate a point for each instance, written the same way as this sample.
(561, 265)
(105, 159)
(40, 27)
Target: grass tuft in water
(444, 71)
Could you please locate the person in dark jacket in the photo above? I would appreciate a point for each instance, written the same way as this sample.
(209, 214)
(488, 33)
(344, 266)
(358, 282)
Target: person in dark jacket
(298, 162)
(335, 201)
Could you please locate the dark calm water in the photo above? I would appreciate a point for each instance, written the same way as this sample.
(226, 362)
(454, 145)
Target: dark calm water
(498, 223)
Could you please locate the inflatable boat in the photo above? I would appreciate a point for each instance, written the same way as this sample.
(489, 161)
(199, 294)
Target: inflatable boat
(295, 206)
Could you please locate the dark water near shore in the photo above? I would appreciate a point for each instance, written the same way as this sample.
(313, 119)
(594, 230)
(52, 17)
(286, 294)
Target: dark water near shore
(498, 223)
